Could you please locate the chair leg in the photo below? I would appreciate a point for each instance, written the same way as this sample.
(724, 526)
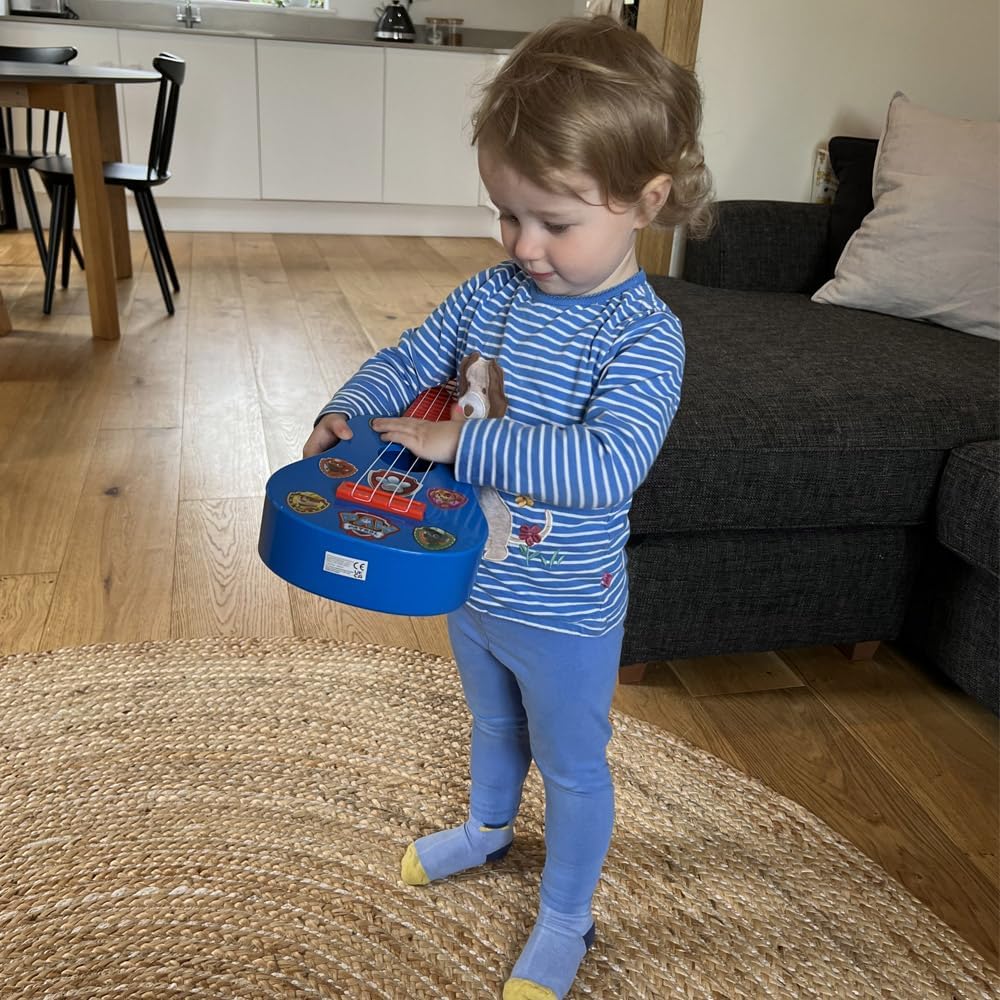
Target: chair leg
(164, 249)
(31, 204)
(8, 210)
(52, 258)
(76, 246)
(149, 228)
(69, 215)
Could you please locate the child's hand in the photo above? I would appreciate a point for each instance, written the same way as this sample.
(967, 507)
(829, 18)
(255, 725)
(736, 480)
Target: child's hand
(427, 439)
(331, 429)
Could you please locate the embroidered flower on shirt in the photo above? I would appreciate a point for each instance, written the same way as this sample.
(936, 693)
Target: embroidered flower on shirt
(530, 534)
(606, 580)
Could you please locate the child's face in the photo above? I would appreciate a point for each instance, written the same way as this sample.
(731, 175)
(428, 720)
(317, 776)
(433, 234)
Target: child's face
(570, 244)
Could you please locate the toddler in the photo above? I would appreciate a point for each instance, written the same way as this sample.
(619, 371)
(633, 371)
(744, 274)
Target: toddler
(586, 136)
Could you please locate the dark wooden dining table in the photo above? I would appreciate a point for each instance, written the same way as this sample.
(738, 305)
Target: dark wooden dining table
(87, 95)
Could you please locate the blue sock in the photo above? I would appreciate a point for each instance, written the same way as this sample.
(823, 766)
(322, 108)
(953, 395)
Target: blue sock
(548, 964)
(449, 851)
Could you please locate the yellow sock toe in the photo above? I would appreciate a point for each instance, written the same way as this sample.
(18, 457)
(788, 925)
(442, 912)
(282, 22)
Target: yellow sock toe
(411, 869)
(525, 989)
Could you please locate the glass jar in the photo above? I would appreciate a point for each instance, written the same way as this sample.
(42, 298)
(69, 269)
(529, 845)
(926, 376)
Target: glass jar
(435, 36)
(444, 30)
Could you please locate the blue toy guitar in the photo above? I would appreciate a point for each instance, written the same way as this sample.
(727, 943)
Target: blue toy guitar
(371, 525)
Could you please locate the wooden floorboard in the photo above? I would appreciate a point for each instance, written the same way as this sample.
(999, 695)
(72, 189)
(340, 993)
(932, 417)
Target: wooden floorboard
(932, 754)
(790, 741)
(131, 477)
(24, 607)
(224, 453)
(115, 581)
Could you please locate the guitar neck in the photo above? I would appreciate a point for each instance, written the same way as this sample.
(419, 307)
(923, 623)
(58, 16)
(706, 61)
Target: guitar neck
(433, 404)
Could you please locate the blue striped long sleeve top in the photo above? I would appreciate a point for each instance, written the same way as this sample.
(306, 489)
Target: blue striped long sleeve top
(592, 384)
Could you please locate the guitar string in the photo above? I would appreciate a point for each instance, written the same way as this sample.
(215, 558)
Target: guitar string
(433, 398)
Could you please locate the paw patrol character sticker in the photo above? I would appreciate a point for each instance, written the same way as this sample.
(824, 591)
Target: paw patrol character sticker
(307, 502)
(446, 499)
(336, 468)
(397, 483)
(363, 524)
(433, 539)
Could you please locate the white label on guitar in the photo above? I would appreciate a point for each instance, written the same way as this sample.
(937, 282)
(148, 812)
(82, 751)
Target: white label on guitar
(356, 569)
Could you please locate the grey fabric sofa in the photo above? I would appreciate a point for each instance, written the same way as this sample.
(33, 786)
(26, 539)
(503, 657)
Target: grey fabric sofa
(953, 618)
(816, 486)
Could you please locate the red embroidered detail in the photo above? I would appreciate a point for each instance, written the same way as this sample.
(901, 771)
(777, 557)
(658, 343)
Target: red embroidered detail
(530, 534)
(606, 580)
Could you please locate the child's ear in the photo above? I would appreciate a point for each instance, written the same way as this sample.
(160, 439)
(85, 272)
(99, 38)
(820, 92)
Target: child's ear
(653, 198)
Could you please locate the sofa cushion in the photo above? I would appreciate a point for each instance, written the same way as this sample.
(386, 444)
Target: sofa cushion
(928, 249)
(795, 414)
(968, 506)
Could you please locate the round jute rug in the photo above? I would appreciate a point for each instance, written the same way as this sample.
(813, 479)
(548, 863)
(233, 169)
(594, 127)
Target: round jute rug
(225, 818)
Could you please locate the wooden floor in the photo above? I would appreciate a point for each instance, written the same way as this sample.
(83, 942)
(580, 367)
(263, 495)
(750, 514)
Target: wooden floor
(131, 477)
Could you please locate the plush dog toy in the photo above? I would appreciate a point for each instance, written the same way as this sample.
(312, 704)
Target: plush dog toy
(481, 394)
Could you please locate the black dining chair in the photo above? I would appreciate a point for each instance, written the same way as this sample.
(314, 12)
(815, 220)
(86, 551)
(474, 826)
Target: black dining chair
(38, 128)
(57, 174)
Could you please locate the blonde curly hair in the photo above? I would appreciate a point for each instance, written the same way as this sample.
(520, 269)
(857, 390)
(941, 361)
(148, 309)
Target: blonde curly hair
(587, 94)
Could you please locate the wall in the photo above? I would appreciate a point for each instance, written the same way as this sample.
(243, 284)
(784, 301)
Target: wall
(782, 76)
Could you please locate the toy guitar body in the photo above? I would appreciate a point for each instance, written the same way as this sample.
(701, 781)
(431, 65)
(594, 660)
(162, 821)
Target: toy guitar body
(370, 525)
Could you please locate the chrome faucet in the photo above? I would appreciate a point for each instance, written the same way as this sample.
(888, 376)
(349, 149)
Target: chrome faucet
(188, 14)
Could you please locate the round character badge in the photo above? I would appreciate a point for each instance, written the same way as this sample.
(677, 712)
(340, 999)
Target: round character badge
(433, 539)
(307, 502)
(336, 468)
(448, 499)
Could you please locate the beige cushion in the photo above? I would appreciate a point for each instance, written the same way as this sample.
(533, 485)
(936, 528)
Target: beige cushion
(930, 248)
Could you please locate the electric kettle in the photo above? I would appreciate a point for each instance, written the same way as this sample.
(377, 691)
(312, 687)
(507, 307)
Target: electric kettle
(394, 24)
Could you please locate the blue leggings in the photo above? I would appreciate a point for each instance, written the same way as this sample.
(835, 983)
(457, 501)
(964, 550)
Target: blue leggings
(543, 695)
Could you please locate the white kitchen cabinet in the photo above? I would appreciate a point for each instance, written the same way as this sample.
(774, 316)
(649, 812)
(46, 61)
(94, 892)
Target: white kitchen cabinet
(215, 151)
(364, 138)
(321, 121)
(429, 100)
(96, 46)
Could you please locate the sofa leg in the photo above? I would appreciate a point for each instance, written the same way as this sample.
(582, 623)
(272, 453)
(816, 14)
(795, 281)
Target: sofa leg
(859, 650)
(633, 673)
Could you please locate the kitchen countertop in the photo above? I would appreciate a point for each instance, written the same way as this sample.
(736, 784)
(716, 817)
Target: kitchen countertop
(258, 21)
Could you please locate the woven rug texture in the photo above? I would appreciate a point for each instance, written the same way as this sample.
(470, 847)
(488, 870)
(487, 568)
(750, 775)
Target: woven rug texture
(224, 818)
